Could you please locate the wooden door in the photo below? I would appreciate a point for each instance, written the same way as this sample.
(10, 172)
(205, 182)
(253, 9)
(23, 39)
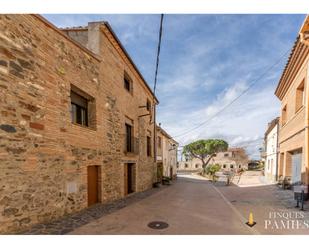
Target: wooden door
(125, 177)
(128, 178)
(159, 172)
(93, 183)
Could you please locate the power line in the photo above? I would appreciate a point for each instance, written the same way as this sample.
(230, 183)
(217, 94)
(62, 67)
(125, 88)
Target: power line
(234, 100)
(153, 117)
(158, 54)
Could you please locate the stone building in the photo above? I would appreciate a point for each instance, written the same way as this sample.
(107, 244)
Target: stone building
(167, 149)
(271, 151)
(234, 159)
(76, 124)
(292, 91)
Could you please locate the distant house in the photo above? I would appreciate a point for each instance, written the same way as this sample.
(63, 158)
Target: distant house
(234, 159)
(167, 149)
(271, 151)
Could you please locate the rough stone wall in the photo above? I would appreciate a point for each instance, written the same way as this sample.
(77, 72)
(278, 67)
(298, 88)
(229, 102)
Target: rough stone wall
(44, 157)
(130, 105)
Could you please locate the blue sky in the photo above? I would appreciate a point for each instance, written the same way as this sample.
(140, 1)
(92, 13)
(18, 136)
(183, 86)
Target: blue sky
(206, 61)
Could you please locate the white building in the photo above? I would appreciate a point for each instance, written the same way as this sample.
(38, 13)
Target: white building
(167, 149)
(271, 151)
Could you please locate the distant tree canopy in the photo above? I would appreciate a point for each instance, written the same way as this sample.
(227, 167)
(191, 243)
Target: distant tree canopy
(204, 149)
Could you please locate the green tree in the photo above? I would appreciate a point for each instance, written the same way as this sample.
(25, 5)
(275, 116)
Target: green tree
(204, 149)
(212, 170)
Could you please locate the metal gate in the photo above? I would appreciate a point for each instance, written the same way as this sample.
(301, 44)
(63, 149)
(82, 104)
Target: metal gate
(296, 167)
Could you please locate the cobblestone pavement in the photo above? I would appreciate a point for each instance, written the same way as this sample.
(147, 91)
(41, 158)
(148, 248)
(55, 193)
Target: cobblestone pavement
(286, 198)
(70, 222)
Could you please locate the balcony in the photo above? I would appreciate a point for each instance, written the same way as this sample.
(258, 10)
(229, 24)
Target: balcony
(131, 146)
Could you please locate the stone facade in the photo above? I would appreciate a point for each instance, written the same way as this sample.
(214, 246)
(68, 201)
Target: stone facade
(233, 159)
(271, 151)
(44, 156)
(167, 149)
(292, 91)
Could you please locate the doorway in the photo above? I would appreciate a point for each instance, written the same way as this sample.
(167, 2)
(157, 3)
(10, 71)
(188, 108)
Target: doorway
(171, 172)
(159, 172)
(93, 184)
(296, 167)
(129, 178)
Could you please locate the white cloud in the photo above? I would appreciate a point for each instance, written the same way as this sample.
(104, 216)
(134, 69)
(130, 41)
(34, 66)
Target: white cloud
(242, 124)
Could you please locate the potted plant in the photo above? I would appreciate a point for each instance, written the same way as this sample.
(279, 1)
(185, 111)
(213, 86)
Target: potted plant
(166, 180)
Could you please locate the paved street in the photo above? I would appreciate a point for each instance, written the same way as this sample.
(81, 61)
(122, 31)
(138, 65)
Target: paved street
(193, 205)
(189, 206)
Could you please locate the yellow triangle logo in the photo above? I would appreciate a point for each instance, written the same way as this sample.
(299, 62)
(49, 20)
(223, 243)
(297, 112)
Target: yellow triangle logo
(251, 221)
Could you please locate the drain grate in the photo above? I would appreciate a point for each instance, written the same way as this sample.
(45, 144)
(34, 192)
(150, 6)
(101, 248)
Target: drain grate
(158, 225)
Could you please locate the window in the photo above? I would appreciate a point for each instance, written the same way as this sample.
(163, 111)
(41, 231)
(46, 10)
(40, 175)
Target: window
(231, 166)
(79, 109)
(239, 166)
(148, 105)
(284, 115)
(197, 165)
(186, 165)
(300, 96)
(159, 142)
(226, 154)
(148, 146)
(224, 166)
(129, 139)
(127, 83)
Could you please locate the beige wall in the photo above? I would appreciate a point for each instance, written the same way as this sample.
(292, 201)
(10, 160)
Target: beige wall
(294, 133)
(167, 154)
(228, 161)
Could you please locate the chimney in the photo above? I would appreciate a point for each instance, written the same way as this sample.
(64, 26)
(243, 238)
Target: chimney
(94, 37)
